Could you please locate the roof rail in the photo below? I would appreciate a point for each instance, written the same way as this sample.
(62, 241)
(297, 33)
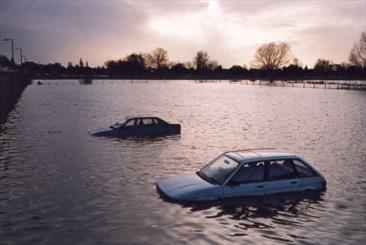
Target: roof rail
(253, 149)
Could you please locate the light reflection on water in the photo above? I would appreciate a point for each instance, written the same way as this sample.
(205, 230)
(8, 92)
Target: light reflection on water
(58, 185)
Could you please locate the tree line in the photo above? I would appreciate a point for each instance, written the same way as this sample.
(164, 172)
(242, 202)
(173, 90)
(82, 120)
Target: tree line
(271, 61)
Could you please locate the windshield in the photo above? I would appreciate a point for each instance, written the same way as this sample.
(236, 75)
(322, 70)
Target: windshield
(117, 125)
(218, 170)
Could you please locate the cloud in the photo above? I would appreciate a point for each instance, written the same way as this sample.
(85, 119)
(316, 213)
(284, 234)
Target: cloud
(61, 31)
(230, 31)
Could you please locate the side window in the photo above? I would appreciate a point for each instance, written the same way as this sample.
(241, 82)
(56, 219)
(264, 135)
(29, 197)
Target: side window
(281, 169)
(148, 121)
(302, 169)
(250, 172)
(139, 122)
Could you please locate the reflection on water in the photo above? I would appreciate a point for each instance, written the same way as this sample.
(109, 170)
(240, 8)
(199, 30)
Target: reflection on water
(261, 214)
(59, 185)
(284, 209)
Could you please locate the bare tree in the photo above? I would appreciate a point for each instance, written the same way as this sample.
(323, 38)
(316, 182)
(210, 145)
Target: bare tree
(81, 63)
(189, 65)
(201, 60)
(148, 60)
(296, 62)
(137, 59)
(323, 65)
(358, 52)
(159, 58)
(272, 56)
(213, 65)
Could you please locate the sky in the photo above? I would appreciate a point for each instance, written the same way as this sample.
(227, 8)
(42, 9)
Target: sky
(230, 31)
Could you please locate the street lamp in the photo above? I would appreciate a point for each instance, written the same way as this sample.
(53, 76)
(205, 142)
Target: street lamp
(21, 54)
(12, 48)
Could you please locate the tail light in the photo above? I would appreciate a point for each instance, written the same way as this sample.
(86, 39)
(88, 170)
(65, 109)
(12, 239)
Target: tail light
(324, 184)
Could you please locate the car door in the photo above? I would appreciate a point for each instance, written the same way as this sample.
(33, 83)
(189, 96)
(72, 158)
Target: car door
(142, 127)
(149, 127)
(281, 176)
(247, 181)
(129, 128)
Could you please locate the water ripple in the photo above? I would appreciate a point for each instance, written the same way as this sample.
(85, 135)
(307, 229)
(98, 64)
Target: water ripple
(59, 185)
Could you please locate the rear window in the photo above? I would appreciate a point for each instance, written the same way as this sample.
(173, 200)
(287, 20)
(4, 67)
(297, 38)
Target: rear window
(302, 169)
(161, 121)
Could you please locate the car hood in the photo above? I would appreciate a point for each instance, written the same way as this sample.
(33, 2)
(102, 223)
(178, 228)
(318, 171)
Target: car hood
(100, 131)
(187, 188)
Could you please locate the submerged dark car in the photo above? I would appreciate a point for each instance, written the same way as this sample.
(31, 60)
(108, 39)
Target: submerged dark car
(139, 126)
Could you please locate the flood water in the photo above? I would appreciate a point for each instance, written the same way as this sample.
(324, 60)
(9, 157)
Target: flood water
(59, 185)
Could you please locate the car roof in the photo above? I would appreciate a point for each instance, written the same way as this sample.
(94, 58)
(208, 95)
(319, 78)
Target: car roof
(147, 117)
(258, 154)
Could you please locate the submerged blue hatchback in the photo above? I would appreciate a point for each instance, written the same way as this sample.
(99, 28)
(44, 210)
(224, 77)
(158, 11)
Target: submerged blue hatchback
(244, 173)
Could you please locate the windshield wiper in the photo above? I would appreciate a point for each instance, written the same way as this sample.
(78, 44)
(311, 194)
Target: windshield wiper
(208, 179)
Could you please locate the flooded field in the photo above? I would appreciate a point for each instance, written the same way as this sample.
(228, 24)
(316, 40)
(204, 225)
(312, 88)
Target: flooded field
(59, 185)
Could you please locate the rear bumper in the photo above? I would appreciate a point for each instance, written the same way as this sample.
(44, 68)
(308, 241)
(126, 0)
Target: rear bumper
(324, 184)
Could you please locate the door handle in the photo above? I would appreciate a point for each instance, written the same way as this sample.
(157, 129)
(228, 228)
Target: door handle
(260, 186)
(293, 182)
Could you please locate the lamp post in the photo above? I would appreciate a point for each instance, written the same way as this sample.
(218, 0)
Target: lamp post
(21, 54)
(12, 48)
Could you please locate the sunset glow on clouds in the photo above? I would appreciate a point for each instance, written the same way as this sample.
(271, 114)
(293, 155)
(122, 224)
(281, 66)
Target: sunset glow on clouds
(230, 31)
